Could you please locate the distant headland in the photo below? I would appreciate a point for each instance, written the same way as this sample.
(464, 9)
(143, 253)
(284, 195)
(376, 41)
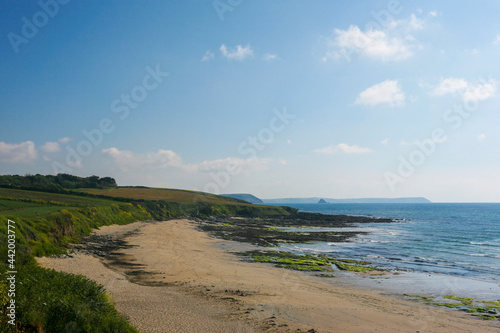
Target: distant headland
(253, 199)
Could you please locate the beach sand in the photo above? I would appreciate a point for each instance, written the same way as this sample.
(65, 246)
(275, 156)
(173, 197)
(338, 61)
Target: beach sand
(178, 279)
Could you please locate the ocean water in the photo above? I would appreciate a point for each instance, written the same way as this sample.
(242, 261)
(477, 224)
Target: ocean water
(454, 239)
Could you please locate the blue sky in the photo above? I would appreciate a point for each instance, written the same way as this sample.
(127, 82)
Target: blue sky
(274, 98)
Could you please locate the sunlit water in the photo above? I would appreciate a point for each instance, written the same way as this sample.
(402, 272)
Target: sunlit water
(454, 239)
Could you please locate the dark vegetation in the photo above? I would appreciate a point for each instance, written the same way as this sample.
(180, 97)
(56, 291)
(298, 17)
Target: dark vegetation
(272, 230)
(50, 212)
(60, 183)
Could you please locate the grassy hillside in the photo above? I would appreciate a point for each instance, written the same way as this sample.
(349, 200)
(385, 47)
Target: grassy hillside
(166, 194)
(48, 197)
(49, 221)
(21, 208)
(46, 222)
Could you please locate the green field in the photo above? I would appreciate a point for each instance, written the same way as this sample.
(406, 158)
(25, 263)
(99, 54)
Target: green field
(166, 194)
(14, 202)
(71, 200)
(19, 208)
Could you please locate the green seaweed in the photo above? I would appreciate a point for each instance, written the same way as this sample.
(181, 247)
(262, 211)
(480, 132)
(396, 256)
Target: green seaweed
(307, 262)
(290, 260)
(352, 268)
(495, 305)
(301, 267)
(486, 317)
(448, 305)
(486, 310)
(467, 301)
(274, 229)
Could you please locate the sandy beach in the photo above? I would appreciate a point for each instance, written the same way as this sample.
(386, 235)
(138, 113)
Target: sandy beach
(175, 278)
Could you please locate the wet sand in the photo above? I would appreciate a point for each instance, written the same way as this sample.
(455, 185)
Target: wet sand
(175, 278)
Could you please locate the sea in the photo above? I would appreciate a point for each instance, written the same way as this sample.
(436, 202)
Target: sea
(456, 245)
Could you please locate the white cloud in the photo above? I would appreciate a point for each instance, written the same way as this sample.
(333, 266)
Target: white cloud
(65, 140)
(233, 163)
(497, 39)
(270, 57)
(343, 148)
(24, 152)
(385, 141)
(238, 54)
(481, 137)
(433, 13)
(469, 91)
(51, 147)
(391, 43)
(373, 43)
(386, 92)
(449, 86)
(479, 91)
(132, 162)
(208, 56)
(220, 164)
(415, 23)
(129, 161)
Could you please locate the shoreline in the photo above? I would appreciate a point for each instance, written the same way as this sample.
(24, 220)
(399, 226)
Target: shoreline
(170, 273)
(470, 260)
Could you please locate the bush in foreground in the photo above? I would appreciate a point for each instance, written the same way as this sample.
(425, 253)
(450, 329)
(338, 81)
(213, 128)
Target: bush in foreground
(59, 302)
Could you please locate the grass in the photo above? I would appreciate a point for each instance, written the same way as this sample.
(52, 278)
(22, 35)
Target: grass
(59, 302)
(51, 301)
(20, 208)
(168, 195)
(12, 204)
(51, 233)
(47, 197)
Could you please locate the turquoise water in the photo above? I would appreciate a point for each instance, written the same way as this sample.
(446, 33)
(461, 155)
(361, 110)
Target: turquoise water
(448, 238)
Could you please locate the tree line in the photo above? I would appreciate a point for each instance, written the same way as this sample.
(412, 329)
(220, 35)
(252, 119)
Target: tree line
(61, 182)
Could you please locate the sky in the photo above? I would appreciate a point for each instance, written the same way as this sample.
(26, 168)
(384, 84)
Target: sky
(274, 98)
